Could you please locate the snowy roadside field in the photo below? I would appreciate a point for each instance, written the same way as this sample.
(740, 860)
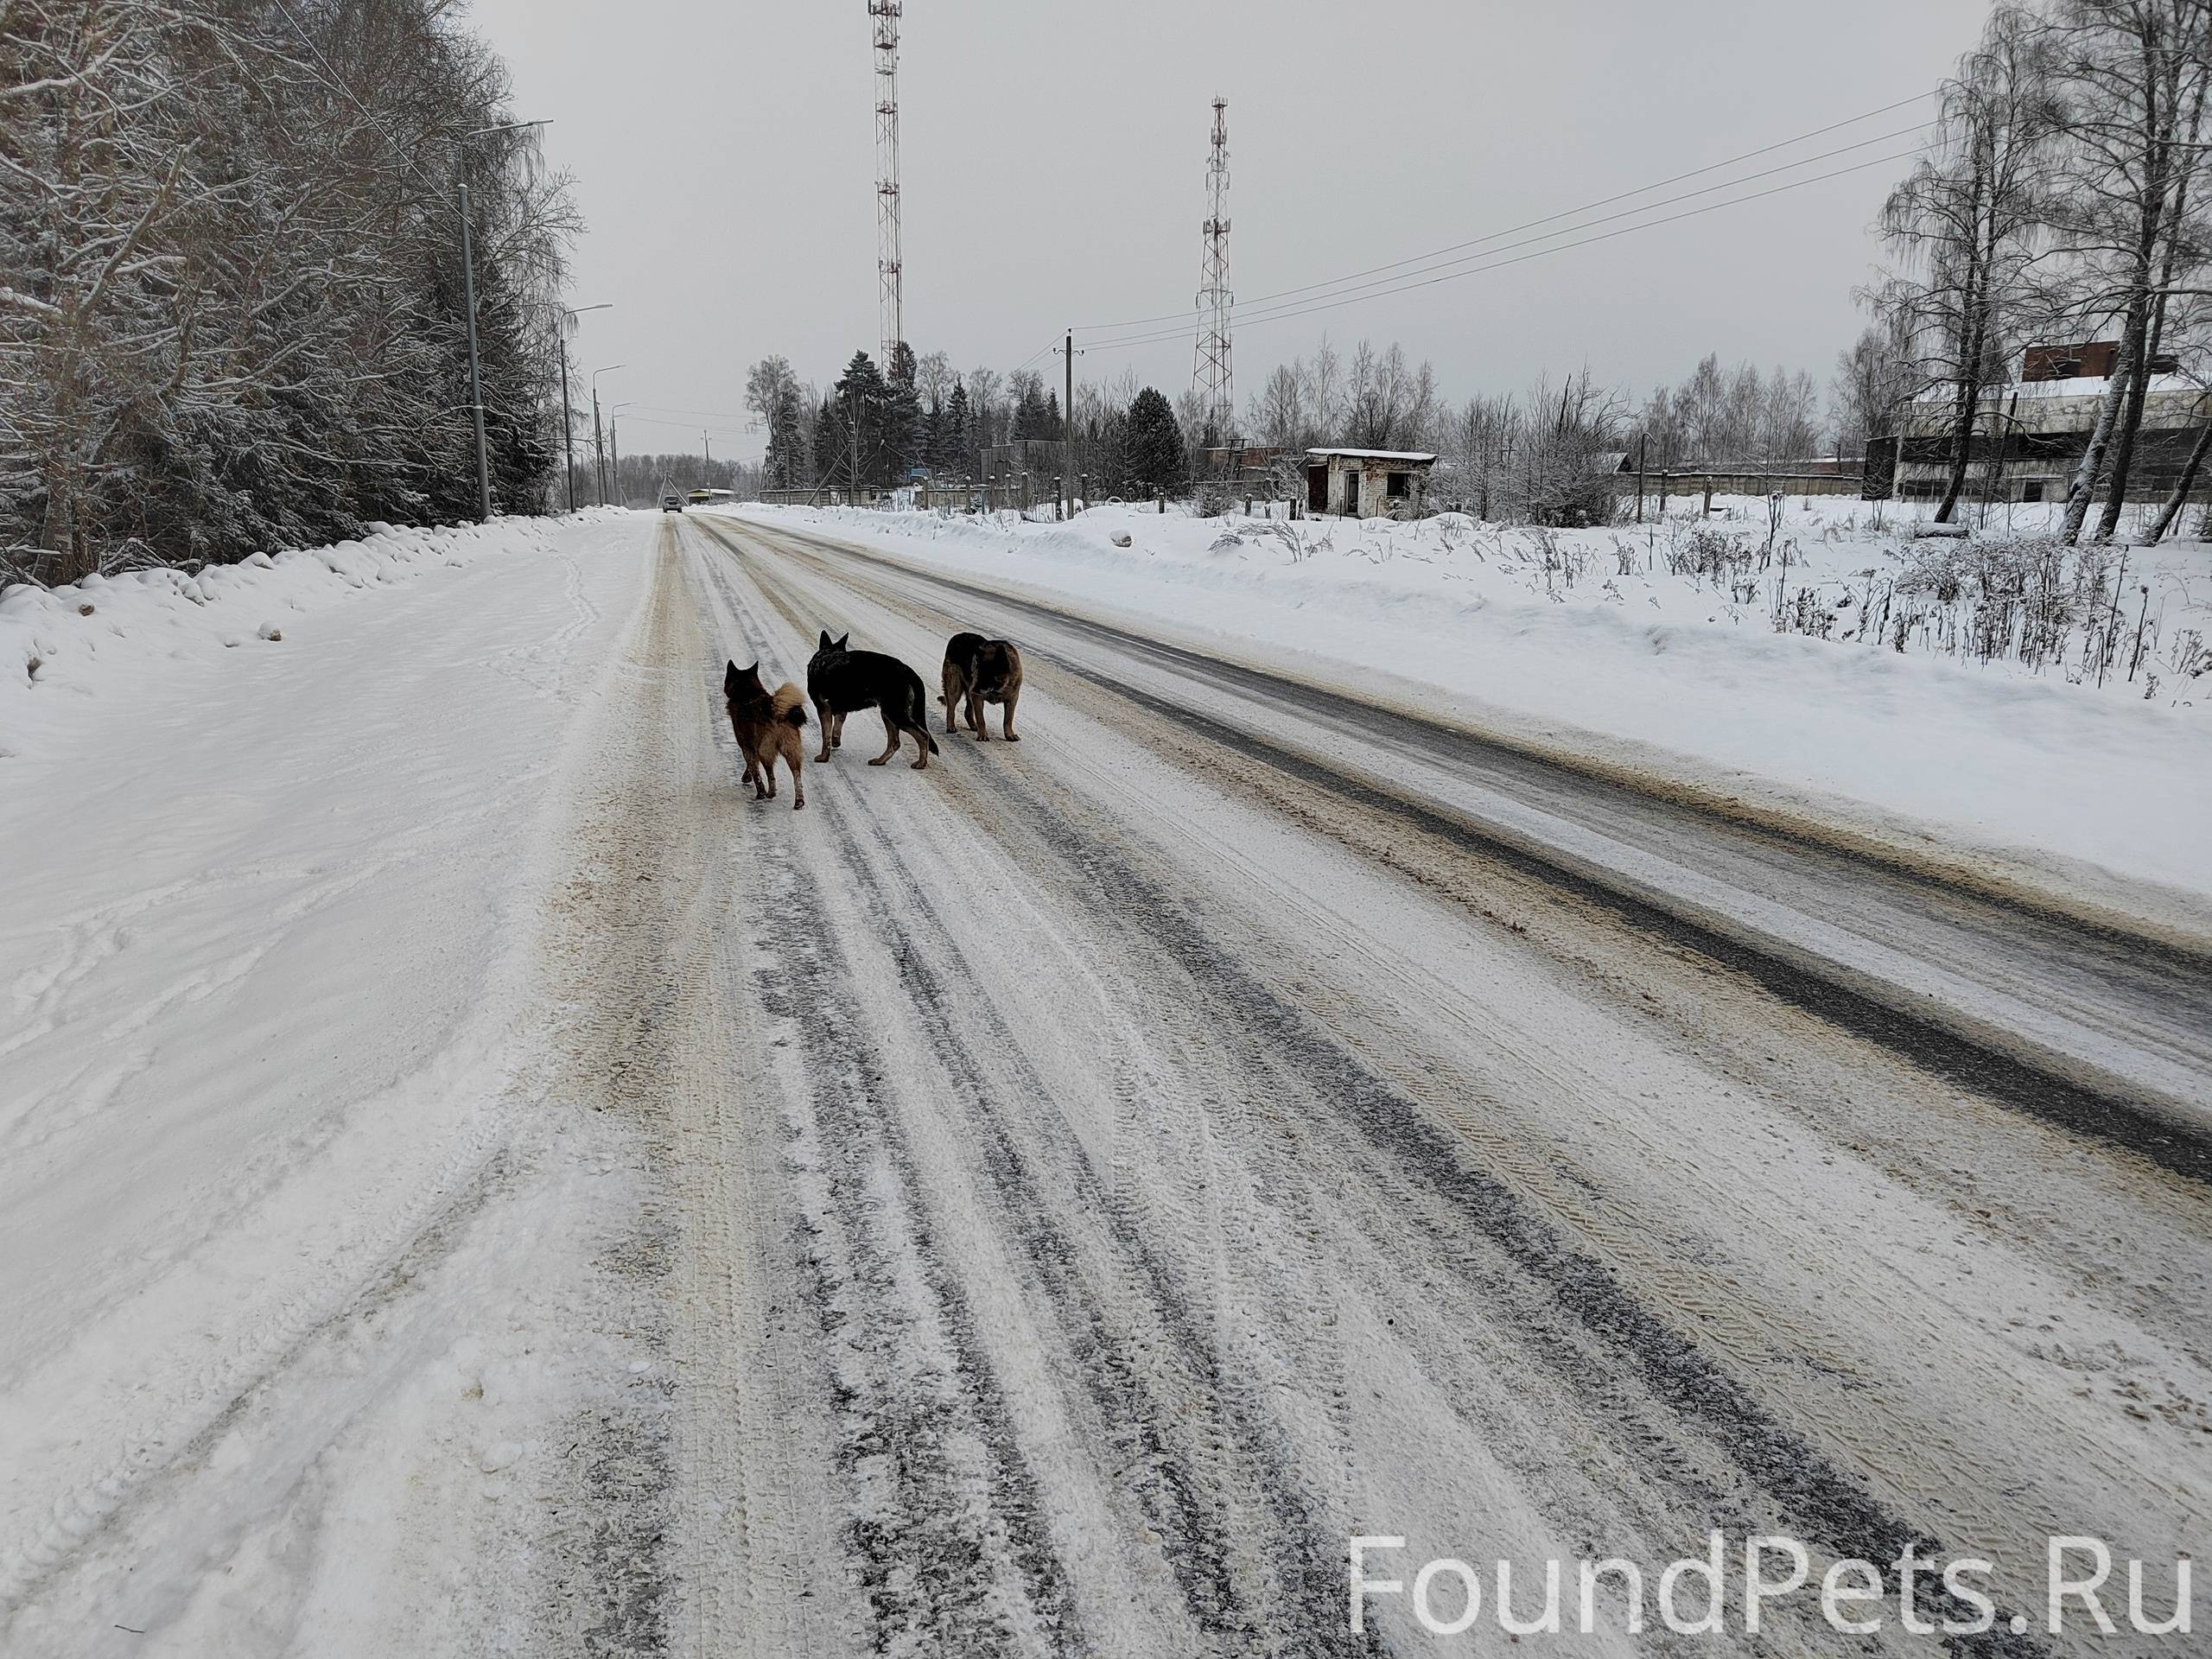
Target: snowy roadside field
(292, 1280)
(1657, 648)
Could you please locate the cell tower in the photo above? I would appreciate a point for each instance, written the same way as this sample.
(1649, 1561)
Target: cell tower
(886, 13)
(1211, 375)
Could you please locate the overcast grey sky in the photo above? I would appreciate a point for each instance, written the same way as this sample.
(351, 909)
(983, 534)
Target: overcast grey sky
(1054, 162)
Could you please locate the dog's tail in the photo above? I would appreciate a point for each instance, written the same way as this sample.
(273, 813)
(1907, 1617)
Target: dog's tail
(917, 713)
(789, 704)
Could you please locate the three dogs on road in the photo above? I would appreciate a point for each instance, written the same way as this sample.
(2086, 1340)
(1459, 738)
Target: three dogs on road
(841, 681)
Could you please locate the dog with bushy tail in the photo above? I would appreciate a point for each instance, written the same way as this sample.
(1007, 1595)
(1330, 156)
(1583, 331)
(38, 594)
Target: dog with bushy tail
(767, 725)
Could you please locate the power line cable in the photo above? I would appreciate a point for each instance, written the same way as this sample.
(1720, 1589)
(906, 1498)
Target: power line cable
(1603, 201)
(1252, 305)
(1282, 314)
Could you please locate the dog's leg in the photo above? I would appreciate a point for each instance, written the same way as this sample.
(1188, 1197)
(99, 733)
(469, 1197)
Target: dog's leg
(977, 715)
(837, 731)
(822, 718)
(951, 700)
(1006, 715)
(921, 747)
(890, 741)
(799, 784)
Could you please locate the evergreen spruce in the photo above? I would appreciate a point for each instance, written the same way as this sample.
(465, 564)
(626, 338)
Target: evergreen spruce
(1154, 446)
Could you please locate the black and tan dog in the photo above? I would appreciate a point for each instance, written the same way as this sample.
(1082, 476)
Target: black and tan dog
(977, 671)
(841, 681)
(768, 724)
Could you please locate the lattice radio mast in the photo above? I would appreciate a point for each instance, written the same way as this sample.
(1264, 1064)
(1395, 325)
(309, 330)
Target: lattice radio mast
(886, 13)
(1210, 374)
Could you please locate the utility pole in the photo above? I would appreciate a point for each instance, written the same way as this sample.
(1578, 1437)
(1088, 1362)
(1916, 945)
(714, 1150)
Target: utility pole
(468, 298)
(708, 444)
(599, 444)
(615, 445)
(597, 450)
(855, 396)
(568, 436)
(568, 313)
(475, 377)
(1067, 431)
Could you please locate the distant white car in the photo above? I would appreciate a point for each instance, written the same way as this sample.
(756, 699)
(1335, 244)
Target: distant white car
(671, 504)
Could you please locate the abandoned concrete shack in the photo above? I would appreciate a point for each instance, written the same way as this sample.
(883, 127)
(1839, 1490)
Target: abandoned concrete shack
(1367, 483)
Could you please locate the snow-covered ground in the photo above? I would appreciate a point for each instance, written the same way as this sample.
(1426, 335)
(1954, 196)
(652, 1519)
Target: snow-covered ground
(471, 1181)
(277, 842)
(1874, 701)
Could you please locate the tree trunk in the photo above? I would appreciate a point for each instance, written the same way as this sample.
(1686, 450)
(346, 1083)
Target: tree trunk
(2085, 475)
(1962, 426)
(2123, 450)
(2172, 511)
(2171, 216)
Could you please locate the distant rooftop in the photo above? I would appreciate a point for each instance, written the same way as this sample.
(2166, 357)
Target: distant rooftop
(1421, 455)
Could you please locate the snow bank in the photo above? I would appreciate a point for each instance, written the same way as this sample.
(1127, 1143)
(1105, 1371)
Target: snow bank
(108, 637)
(292, 1224)
(1659, 646)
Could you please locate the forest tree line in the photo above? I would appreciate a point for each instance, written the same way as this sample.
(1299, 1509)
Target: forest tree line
(231, 279)
(232, 312)
(1523, 455)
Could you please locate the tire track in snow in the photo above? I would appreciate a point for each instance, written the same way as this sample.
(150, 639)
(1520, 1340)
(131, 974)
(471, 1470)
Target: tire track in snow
(1628, 1339)
(1243, 1537)
(1842, 997)
(944, 1500)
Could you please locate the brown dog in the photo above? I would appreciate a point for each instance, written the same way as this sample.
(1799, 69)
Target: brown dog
(977, 671)
(767, 726)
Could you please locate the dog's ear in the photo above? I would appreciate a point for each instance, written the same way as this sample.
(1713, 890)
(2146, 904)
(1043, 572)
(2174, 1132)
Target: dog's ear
(753, 672)
(825, 640)
(842, 643)
(730, 679)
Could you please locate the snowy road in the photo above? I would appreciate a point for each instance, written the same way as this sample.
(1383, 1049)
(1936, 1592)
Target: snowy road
(1234, 1119)
(1049, 1202)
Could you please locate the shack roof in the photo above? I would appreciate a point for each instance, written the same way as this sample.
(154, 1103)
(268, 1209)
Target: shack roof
(1417, 457)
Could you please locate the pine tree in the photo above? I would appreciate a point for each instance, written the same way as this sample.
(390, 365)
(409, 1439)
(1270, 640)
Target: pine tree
(1154, 444)
(875, 414)
(902, 417)
(952, 434)
(831, 466)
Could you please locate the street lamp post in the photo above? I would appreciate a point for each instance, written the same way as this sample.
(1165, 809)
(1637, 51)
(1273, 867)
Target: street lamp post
(599, 444)
(568, 435)
(614, 451)
(468, 300)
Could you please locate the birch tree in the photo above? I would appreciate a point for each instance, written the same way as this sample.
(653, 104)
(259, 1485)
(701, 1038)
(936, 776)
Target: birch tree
(2133, 80)
(1965, 225)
